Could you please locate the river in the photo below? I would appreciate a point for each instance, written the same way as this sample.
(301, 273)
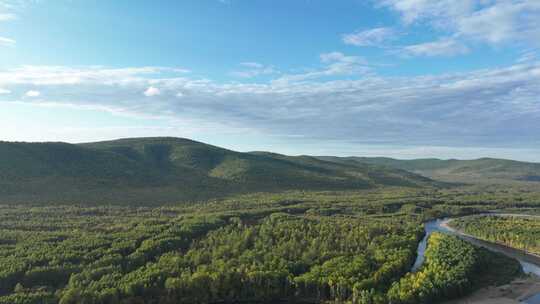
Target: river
(529, 263)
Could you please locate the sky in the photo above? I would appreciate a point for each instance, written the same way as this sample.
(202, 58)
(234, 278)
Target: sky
(397, 78)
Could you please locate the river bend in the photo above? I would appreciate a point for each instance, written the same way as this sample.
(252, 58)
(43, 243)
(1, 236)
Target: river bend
(529, 262)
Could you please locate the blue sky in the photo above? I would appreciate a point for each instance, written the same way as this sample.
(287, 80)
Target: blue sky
(400, 78)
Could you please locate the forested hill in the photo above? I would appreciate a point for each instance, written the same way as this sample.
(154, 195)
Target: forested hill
(169, 170)
(478, 170)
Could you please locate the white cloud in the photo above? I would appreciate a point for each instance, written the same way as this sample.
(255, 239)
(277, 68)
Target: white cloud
(441, 47)
(415, 10)
(372, 37)
(504, 21)
(4, 91)
(489, 21)
(152, 91)
(7, 42)
(484, 108)
(32, 93)
(59, 75)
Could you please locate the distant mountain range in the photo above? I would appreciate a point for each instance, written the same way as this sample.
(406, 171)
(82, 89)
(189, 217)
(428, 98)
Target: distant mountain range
(161, 170)
(483, 170)
(169, 170)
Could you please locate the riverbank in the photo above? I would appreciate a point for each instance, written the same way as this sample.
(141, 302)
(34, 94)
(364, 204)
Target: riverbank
(518, 291)
(446, 224)
(513, 293)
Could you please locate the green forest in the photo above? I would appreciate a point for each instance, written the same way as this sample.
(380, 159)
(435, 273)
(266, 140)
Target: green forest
(513, 231)
(270, 152)
(452, 268)
(293, 247)
(165, 170)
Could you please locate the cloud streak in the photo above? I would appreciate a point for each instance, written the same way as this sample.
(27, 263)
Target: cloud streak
(335, 64)
(441, 47)
(254, 69)
(7, 42)
(7, 15)
(373, 37)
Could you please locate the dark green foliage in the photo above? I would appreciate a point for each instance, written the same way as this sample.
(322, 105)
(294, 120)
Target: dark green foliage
(54, 253)
(351, 241)
(154, 171)
(34, 297)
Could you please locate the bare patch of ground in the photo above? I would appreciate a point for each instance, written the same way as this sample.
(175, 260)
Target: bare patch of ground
(513, 293)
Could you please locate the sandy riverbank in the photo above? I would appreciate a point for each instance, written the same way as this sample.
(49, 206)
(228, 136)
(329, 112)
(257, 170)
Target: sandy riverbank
(513, 293)
(518, 290)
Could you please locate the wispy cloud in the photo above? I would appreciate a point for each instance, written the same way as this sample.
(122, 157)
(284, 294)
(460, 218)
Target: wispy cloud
(254, 69)
(373, 37)
(484, 108)
(60, 75)
(528, 56)
(7, 42)
(7, 8)
(491, 21)
(441, 47)
(335, 64)
(4, 91)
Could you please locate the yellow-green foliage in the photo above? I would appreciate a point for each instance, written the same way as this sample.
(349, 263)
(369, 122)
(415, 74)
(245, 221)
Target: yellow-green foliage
(518, 232)
(452, 268)
(449, 264)
(316, 246)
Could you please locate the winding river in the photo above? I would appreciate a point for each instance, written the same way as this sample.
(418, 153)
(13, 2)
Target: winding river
(530, 263)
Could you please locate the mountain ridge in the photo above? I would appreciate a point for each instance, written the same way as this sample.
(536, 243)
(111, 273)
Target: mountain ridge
(156, 170)
(485, 169)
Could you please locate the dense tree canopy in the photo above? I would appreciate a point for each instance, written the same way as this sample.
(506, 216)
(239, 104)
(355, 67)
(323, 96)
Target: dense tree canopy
(514, 231)
(314, 247)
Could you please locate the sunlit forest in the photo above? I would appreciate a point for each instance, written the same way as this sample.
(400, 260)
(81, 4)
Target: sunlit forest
(517, 232)
(269, 152)
(309, 247)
